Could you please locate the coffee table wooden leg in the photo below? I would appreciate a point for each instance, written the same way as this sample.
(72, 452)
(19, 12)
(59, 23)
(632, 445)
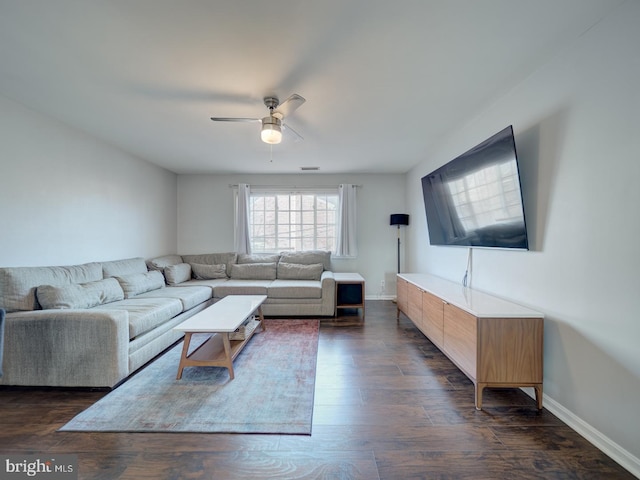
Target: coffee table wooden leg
(227, 352)
(185, 351)
(261, 317)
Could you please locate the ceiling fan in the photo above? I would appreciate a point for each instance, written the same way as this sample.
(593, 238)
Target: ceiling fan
(272, 125)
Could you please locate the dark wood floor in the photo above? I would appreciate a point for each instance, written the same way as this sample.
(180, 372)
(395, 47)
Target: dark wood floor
(388, 405)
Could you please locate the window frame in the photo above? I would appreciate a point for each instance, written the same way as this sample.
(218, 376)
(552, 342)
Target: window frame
(294, 230)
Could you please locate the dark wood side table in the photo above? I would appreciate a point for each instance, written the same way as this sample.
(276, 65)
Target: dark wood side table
(349, 291)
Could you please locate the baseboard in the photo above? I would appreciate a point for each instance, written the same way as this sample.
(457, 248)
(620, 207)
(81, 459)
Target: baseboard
(380, 297)
(610, 448)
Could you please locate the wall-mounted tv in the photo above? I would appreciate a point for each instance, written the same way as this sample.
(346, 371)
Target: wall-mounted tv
(475, 200)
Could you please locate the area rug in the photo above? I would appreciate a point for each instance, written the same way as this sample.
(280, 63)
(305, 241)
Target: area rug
(272, 391)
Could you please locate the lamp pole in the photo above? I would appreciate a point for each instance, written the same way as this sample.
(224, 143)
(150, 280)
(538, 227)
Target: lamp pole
(398, 248)
(399, 219)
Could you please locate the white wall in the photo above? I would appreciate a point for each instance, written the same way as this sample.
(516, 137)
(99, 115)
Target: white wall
(68, 198)
(578, 135)
(205, 219)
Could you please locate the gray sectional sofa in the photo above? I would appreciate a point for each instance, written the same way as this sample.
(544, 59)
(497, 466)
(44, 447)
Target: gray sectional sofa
(92, 325)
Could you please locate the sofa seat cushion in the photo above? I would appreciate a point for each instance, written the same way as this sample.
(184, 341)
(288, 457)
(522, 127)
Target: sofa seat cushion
(242, 287)
(295, 289)
(189, 296)
(145, 313)
(127, 266)
(18, 284)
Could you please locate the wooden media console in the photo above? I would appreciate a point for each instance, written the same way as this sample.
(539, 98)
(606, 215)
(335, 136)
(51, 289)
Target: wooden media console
(494, 342)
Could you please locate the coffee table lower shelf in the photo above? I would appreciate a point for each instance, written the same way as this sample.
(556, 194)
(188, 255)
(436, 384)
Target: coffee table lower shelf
(217, 351)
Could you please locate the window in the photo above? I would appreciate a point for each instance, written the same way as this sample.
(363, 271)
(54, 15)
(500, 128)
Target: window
(292, 221)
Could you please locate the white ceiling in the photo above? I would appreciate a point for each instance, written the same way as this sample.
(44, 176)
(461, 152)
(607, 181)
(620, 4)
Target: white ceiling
(383, 79)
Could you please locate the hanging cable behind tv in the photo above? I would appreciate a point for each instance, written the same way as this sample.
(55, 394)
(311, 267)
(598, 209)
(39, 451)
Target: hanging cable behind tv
(466, 280)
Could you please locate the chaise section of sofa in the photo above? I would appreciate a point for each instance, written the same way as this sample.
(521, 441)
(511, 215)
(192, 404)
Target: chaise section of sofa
(72, 348)
(89, 325)
(295, 283)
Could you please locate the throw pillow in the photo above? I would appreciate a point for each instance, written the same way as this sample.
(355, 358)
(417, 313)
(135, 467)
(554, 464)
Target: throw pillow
(138, 283)
(111, 291)
(160, 263)
(175, 274)
(254, 271)
(297, 271)
(228, 258)
(206, 272)
(79, 295)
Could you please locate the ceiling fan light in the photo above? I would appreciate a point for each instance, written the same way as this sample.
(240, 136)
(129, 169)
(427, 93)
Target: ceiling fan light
(271, 130)
(271, 135)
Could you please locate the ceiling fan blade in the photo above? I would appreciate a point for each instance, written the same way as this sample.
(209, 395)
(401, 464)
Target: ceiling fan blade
(234, 119)
(290, 131)
(287, 107)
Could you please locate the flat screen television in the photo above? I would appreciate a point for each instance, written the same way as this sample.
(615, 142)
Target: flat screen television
(475, 200)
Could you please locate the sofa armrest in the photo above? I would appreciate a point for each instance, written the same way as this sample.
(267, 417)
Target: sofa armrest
(328, 283)
(75, 348)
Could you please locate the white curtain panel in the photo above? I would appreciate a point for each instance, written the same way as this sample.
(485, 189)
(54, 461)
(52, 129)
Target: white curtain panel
(346, 245)
(242, 242)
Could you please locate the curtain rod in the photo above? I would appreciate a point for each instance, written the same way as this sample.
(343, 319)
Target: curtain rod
(291, 186)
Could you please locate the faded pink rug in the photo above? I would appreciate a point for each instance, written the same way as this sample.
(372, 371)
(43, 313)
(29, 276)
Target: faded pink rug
(272, 391)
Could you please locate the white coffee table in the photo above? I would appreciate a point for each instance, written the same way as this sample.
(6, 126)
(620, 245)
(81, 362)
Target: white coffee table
(220, 319)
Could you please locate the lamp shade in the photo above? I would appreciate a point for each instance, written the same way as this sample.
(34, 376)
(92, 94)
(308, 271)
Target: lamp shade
(399, 219)
(271, 130)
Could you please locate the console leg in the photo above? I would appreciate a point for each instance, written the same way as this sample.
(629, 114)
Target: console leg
(479, 390)
(538, 389)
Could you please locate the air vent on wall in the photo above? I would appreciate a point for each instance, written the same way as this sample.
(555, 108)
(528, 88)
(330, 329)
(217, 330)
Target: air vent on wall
(309, 169)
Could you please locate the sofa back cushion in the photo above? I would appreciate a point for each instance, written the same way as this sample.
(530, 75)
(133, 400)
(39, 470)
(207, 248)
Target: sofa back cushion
(18, 284)
(128, 266)
(228, 258)
(308, 257)
(137, 283)
(80, 295)
(257, 258)
(254, 271)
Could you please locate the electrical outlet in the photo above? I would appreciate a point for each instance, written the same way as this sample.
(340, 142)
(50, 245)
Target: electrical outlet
(382, 284)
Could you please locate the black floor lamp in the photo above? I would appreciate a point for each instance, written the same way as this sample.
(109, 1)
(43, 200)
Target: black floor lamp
(399, 219)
